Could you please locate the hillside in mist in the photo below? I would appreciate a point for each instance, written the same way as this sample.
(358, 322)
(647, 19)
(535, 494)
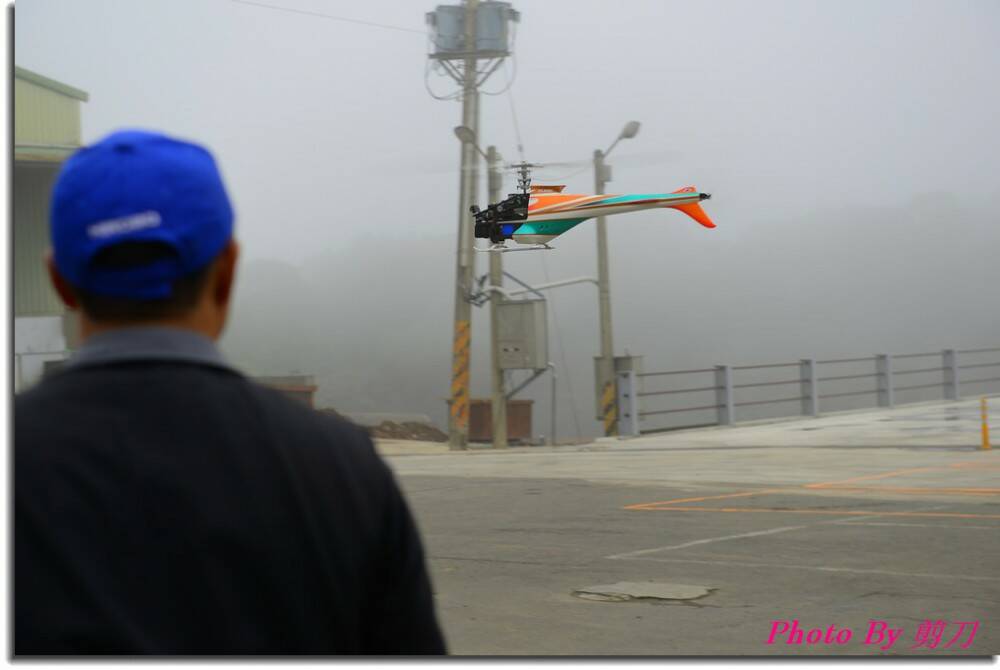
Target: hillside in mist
(372, 321)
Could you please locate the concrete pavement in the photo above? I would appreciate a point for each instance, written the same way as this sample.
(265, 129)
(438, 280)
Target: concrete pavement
(867, 522)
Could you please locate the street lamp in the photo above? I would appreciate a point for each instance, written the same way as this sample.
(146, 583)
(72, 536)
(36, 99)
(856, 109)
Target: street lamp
(466, 135)
(605, 363)
(630, 130)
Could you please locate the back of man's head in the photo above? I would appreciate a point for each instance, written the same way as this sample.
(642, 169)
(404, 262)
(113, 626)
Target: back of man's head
(138, 221)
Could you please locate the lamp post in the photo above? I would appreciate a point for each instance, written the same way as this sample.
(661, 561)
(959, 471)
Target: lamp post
(605, 368)
(498, 408)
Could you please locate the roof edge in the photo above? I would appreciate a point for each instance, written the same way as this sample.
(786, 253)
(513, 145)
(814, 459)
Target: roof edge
(34, 153)
(50, 84)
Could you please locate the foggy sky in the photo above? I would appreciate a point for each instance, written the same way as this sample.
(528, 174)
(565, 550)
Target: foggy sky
(851, 149)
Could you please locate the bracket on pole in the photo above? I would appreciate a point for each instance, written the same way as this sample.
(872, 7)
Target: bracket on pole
(483, 293)
(535, 375)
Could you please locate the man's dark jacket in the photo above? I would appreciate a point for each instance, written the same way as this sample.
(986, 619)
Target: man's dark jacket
(177, 508)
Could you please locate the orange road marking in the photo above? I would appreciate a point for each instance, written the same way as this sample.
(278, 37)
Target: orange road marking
(881, 475)
(915, 489)
(836, 486)
(757, 510)
(978, 466)
(745, 494)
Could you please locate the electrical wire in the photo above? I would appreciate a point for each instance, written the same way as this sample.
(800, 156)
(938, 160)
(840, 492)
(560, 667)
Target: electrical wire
(330, 16)
(513, 116)
(427, 85)
(513, 75)
(510, 80)
(567, 176)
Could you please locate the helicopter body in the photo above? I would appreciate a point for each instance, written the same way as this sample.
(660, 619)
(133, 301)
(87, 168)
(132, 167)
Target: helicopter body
(552, 214)
(545, 212)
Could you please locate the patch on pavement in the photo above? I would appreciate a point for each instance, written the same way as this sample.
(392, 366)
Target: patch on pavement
(622, 591)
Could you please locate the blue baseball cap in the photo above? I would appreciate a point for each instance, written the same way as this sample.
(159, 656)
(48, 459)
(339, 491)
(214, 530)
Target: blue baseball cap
(138, 186)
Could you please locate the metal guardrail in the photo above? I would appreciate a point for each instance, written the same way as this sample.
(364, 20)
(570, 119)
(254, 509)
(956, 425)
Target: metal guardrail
(633, 396)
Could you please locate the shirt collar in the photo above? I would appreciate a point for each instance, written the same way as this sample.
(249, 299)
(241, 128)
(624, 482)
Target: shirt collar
(148, 344)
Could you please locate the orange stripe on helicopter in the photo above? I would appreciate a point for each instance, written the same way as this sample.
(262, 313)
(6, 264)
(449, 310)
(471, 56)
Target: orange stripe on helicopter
(551, 202)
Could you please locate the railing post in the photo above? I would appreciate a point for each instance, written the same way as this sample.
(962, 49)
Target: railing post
(883, 364)
(950, 365)
(810, 392)
(628, 404)
(724, 395)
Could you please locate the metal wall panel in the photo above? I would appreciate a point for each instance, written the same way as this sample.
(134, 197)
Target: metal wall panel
(33, 294)
(42, 116)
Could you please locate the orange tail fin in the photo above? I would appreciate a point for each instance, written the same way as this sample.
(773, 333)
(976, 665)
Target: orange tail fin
(693, 209)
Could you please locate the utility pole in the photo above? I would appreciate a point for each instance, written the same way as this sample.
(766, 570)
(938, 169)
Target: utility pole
(457, 52)
(607, 404)
(499, 405)
(458, 417)
(607, 395)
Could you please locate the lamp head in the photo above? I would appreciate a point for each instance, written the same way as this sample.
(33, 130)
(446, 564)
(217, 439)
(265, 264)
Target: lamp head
(465, 134)
(630, 130)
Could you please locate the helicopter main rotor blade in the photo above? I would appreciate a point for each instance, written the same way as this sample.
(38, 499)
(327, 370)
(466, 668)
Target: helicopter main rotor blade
(639, 158)
(538, 170)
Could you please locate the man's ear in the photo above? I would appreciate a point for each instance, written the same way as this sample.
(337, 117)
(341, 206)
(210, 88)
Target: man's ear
(59, 283)
(225, 273)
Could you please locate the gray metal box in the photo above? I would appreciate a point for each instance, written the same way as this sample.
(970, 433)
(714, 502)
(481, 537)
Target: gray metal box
(491, 26)
(523, 335)
(447, 24)
(625, 363)
(628, 363)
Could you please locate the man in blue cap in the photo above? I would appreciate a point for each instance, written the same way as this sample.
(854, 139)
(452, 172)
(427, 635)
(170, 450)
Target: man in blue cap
(164, 504)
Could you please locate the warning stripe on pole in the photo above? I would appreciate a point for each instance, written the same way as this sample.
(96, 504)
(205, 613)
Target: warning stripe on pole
(984, 415)
(609, 409)
(460, 377)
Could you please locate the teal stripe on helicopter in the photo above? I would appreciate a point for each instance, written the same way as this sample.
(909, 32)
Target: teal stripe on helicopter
(637, 198)
(557, 227)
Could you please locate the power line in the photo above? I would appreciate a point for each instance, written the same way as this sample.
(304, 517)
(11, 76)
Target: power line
(513, 117)
(331, 17)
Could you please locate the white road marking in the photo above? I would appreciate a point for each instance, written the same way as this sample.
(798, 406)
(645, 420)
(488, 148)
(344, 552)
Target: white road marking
(770, 531)
(641, 552)
(820, 568)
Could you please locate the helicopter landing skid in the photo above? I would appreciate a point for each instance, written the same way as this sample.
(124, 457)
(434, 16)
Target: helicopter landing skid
(500, 248)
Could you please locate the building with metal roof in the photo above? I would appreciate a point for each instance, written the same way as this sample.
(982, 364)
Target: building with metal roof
(46, 132)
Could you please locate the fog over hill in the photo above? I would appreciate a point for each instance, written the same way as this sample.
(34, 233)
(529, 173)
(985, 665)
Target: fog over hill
(851, 148)
(827, 283)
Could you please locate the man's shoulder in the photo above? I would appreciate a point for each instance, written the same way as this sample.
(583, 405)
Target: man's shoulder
(92, 403)
(297, 413)
(110, 385)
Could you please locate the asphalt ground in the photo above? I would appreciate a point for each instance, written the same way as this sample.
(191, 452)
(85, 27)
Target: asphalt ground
(903, 537)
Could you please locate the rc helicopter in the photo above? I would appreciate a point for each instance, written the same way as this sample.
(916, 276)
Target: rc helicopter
(537, 214)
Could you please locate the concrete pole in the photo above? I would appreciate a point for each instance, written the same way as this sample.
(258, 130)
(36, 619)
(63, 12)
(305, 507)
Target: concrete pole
(607, 410)
(883, 367)
(951, 384)
(810, 387)
(499, 406)
(458, 414)
(552, 409)
(724, 395)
